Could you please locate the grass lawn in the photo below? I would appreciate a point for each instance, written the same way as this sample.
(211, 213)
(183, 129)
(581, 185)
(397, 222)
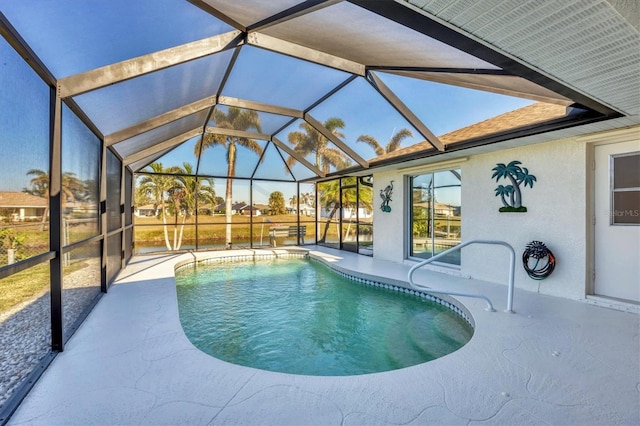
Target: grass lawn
(23, 286)
(213, 228)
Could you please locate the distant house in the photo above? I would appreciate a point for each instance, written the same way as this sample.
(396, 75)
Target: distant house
(21, 206)
(446, 209)
(148, 210)
(245, 209)
(218, 208)
(238, 208)
(207, 209)
(347, 212)
(262, 208)
(81, 208)
(307, 210)
(252, 210)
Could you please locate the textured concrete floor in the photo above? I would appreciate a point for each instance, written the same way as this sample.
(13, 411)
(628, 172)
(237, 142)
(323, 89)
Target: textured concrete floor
(554, 361)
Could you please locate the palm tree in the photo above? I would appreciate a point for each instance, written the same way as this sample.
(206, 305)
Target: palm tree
(189, 191)
(311, 141)
(198, 191)
(329, 194)
(72, 188)
(194, 191)
(39, 183)
(234, 119)
(175, 198)
(293, 202)
(156, 185)
(392, 145)
(363, 200)
(306, 201)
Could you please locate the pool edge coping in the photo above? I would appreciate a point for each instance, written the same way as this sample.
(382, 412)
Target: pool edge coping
(212, 257)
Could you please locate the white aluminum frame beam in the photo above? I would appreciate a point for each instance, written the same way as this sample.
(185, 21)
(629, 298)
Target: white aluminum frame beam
(259, 106)
(159, 120)
(110, 74)
(452, 81)
(405, 111)
(260, 136)
(169, 143)
(141, 164)
(237, 133)
(336, 140)
(297, 157)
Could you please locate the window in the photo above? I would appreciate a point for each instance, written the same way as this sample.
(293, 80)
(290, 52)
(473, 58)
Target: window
(435, 214)
(625, 189)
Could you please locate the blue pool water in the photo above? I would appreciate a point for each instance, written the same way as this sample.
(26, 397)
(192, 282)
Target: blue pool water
(297, 316)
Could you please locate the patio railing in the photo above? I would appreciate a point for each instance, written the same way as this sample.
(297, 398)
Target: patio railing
(512, 266)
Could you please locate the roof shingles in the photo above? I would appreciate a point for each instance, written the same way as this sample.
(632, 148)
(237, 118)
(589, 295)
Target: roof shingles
(21, 199)
(531, 114)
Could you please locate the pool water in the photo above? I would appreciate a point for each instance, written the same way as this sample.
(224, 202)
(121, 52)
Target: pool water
(298, 316)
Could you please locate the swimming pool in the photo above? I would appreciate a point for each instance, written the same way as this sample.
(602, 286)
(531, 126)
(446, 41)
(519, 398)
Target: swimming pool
(297, 316)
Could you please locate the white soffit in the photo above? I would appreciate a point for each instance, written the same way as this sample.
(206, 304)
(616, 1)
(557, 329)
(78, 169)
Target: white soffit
(350, 32)
(585, 44)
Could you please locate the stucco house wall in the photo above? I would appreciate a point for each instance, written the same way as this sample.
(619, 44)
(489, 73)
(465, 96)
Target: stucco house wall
(389, 227)
(556, 215)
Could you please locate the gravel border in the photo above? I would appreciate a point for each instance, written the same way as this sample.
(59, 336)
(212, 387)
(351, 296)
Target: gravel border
(25, 330)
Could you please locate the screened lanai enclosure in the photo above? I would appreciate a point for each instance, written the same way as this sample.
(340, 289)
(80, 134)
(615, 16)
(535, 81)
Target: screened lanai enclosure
(134, 127)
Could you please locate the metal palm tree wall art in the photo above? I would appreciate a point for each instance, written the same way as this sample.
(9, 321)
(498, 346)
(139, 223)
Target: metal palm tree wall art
(511, 195)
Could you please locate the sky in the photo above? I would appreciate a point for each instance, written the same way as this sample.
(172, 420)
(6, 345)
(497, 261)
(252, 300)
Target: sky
(258, 75)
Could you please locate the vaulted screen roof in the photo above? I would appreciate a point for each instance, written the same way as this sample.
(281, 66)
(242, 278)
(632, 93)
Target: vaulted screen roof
(320, 87)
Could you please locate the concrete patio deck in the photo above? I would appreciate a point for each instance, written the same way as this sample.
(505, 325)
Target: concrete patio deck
(554, 361)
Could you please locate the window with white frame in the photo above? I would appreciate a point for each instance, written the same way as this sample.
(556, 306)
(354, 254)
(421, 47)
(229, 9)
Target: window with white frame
(625, 189)
(435, 214)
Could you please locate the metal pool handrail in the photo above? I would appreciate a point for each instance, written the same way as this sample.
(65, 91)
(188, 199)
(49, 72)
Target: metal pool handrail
(512, 268)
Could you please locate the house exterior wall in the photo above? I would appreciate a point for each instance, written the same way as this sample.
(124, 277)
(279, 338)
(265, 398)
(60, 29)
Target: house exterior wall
(389, 228)
(557, 216)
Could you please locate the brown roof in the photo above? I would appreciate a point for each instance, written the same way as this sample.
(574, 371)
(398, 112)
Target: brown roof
(531, 114)
(21, 199)
(151, 207)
